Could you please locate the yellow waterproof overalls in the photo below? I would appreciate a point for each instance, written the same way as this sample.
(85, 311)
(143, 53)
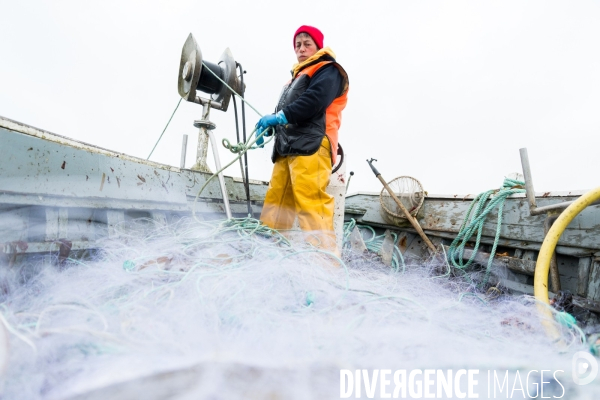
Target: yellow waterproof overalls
(298, 182)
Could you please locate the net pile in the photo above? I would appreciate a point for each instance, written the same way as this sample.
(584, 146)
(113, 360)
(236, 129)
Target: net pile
(249, 314)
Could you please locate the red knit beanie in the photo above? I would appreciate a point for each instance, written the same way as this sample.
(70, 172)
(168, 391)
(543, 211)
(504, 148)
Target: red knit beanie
(314, 33)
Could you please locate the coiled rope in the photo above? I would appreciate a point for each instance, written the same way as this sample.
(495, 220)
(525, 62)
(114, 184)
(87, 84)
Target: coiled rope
(483, 204)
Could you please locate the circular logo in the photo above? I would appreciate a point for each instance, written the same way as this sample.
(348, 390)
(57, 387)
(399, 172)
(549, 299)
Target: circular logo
(585, 368)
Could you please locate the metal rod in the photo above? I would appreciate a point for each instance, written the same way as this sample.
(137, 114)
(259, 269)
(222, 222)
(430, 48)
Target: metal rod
(237, 135)
(243, 175)
(558, 206)
(247, 175)
(529, 191)
(348, 183)
(211, 103)
(183, 151)
(215, 150)
(551, 207)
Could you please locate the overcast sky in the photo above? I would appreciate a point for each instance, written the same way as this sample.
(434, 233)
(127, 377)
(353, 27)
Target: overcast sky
(445, 91)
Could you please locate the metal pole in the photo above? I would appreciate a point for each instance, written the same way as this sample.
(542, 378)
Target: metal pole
(202, 150)
(206, 134)
(348, 183)
(237, 135)
(529, 191)
(244, 175)
(183, 151)
(247, 175)
(215, 149)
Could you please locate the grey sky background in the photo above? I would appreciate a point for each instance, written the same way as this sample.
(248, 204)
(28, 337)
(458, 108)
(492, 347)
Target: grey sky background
(445, 91)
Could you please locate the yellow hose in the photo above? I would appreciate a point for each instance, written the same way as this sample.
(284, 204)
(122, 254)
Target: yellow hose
(542, 267)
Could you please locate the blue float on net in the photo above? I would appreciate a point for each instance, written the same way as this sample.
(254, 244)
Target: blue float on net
(310, 298)
(128, 265)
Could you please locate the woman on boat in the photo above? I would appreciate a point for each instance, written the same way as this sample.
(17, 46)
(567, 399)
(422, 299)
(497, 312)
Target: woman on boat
(306, 121)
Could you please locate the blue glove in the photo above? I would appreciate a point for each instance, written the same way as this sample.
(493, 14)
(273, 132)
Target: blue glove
(268, 121)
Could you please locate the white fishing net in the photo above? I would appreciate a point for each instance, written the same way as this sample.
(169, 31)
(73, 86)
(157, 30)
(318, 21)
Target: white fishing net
(229, 313)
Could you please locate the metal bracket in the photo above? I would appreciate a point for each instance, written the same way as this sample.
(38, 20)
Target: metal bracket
(207, 102)
(206, 127)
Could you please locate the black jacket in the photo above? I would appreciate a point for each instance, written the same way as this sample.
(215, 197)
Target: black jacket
(304, 101)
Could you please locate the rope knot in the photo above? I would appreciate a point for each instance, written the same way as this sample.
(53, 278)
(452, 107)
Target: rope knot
(235, 148)
(513, 184)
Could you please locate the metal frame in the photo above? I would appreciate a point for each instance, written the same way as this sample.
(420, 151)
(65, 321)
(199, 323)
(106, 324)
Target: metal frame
(206, 128)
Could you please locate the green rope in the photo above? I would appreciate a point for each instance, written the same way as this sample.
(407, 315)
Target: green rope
(594, 344)
(566, 319)
(163, 132)
(374, 243)
(230, 88)
(240, 149)
(348, 227)
(483, 204)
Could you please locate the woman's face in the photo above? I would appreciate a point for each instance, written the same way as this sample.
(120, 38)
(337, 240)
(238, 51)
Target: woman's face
(305, 47)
